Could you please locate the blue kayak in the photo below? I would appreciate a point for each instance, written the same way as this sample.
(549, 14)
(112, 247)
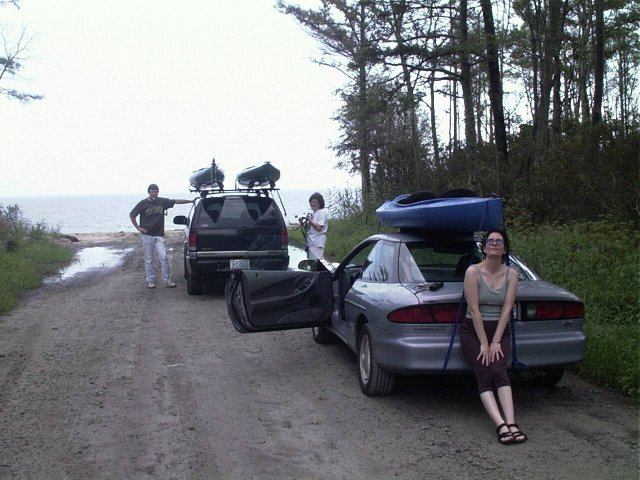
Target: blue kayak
(460, 214)
(260, 176)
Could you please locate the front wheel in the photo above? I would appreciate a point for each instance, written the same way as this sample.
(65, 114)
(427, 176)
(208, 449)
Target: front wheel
(374, 380)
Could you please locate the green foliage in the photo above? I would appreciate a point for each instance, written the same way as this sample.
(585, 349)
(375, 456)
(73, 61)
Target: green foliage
(23, 269)
(27, 253)
(344, 234)
(344, 203)
(600, 262)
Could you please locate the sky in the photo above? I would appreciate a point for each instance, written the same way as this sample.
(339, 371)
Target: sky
(147, 91)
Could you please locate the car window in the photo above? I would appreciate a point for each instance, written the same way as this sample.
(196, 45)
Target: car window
(238, 211)
(379, 266)
(524, 271)
(421, 262)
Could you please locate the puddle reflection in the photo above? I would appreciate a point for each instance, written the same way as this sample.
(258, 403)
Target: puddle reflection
(92, 258)
(296, 255)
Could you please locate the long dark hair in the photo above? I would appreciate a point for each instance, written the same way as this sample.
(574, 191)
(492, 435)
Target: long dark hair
(505, 238)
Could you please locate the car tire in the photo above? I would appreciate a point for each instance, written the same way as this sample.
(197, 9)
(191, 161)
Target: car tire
(374, 380)
(184, 265)
(322, 335)
(194, 285)
(539, 377)
(549, 377)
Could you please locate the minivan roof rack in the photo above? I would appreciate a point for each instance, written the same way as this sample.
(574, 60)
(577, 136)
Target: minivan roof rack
(221, 191)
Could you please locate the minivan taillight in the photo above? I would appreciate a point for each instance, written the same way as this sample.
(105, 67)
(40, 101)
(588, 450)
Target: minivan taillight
(434, 313)
(554, 310)
(192, 240)
(284, 238)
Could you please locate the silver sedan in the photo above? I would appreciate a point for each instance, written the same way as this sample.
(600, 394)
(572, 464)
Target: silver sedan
(396, 301)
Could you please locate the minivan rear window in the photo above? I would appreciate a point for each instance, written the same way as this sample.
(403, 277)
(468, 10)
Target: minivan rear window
(237, 211)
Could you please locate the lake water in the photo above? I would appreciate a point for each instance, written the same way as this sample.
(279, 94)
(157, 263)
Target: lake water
(110, 213)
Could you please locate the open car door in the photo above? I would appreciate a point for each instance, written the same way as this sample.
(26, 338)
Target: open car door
(267, 300)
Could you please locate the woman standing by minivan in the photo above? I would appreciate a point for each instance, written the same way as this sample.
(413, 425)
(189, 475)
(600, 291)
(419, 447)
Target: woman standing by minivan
(316, 225)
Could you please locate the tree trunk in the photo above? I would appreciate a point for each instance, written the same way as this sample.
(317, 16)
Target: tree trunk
(598, 83)
(434, 125)
(495, 89)
(363, 131)
(549, 53)
(465, 78)
(406, 77)
(557, 99)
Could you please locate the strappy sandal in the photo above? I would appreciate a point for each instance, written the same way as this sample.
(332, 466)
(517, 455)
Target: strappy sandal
(505, 438)
(518, 435)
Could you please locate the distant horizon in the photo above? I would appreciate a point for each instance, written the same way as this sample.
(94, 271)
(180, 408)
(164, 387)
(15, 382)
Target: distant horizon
(92, 213)
(143, 193)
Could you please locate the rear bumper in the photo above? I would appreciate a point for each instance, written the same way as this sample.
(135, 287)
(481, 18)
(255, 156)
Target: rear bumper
(426, 353)
(210, 263)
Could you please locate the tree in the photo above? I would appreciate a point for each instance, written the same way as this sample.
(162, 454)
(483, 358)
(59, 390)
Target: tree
(411, 62)
(598, 91)
(495, 85)
(343, 29)
(12, 58)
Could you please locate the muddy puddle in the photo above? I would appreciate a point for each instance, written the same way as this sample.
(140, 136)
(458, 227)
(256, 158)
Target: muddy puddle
(90, 259)
(97, 258)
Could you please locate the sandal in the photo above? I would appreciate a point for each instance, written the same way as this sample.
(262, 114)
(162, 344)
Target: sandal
(505, 438)
(518, 435)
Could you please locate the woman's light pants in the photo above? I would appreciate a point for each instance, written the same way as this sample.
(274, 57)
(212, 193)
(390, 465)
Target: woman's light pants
(149, 243)
(315, 253)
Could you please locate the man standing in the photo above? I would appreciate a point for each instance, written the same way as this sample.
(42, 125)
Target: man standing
(151, 211)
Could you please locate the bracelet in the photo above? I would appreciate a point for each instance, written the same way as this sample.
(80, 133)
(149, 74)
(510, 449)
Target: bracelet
(493, 341)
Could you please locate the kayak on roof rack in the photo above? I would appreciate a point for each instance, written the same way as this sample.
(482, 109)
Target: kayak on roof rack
(452, 214)
(261, 176)
(207, 177)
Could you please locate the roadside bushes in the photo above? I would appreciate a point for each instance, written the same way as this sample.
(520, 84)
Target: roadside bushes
(27, 252)
(600, 262)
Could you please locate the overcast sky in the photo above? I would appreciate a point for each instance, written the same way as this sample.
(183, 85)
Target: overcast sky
(141, 91)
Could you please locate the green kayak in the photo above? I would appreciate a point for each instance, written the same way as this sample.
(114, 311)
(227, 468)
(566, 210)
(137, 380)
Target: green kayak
(261, 176)
(207, 177)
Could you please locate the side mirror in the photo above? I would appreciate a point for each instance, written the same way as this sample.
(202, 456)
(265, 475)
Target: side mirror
(181, 220)
(312, 266)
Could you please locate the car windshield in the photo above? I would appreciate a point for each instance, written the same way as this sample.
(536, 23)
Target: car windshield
(434, 261)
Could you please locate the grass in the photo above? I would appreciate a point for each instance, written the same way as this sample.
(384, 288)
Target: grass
(24, 268)
(598, 261)
(27, 254)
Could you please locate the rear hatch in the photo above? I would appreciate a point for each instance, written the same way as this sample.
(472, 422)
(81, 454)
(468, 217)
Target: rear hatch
(239, 223)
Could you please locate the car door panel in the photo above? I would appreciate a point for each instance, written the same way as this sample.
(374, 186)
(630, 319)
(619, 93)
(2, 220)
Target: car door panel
(262, 300)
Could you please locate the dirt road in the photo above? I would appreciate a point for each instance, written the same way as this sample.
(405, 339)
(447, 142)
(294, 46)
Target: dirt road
(101, 378)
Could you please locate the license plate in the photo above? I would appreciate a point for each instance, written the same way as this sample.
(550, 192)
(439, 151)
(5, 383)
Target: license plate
(239, 264)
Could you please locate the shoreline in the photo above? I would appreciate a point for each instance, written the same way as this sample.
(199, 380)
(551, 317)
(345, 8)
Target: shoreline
(81, 240)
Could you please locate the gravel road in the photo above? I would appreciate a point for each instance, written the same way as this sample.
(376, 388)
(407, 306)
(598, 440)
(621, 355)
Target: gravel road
(101, 378)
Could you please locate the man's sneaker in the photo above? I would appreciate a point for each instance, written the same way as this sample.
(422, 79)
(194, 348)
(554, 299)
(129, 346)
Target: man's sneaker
(170, 284)
(151, 285)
